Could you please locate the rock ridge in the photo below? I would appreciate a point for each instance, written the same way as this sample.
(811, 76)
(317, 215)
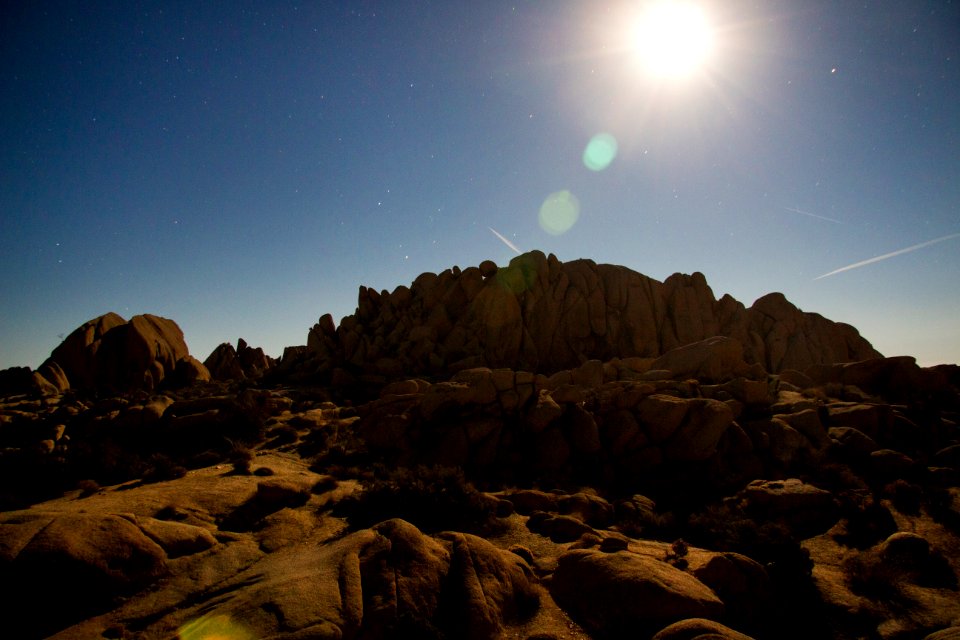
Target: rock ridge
(539, 314)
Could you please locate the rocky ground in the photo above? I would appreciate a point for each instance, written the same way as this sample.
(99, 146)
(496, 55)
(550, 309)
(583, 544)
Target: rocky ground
(673, 491)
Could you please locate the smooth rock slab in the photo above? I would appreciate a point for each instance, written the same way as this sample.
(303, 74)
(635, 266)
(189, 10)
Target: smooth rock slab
(625, 592)
(389, 581)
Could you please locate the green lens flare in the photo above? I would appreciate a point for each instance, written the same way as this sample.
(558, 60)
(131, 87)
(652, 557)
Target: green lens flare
(600, 152)
(218, 627)
(559, 212)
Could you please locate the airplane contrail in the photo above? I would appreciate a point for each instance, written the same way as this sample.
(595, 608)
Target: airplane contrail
(812, 215)
(898, 252)
(504, 240)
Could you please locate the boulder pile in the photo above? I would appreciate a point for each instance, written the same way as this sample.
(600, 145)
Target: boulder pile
(240, 363)
(540, 314)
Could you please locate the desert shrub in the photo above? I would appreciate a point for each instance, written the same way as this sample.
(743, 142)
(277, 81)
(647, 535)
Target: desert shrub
(867, 521)
(324, 484)
(206, 458)
(836, 476)
(340, 446)
(115, 632)
(161, 467)
(797, 610)
(241, 456)
(677, 554)
(727, 527)
(171, 512)
(905, 496)
(283, 434)
(88, 487)
(939, 503)
(638, 522)
(936, 571)
(872, 574)
(432, 498)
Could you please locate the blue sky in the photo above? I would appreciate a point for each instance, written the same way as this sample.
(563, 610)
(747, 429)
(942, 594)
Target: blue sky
(244, 167)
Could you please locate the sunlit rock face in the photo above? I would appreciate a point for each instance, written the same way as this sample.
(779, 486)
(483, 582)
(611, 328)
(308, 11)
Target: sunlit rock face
(109, 353)
(539, 314)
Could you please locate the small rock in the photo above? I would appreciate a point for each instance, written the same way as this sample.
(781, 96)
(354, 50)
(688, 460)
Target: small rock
(699, 629)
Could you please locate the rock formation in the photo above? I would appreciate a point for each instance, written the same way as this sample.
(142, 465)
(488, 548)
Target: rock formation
(227, 363)
(111, 354)
(539, 314)
(540, 451)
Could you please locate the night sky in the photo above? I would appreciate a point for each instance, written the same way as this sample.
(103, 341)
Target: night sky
(243, 167)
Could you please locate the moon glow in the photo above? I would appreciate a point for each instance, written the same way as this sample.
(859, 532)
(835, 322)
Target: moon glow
(673, 39)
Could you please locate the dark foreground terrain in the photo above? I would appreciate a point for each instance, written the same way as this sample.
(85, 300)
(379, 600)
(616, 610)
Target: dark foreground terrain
(544, 450)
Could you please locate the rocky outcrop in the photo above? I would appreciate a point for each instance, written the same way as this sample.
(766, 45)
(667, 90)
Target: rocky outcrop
(387, 581)
(244, 362)
(83, 562)
(499, 421)
(16, 381)
(538, 314)
(897, 379)
(627, 593)
(111, 354)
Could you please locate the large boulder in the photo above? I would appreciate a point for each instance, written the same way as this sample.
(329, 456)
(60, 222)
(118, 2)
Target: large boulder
(697, 437)
(800, 505)
(77, 355)
(80, 563)
(628, 593)
(224, 364)
(111, 354)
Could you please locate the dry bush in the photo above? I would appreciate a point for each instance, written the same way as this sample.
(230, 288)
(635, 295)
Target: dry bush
(241, 456)
(161, 467)
(872, 574)
(905, 496)
(867, 521)
(432, 498)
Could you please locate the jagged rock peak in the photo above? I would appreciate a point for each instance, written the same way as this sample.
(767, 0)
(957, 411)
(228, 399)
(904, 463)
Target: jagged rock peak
(540, 314)
(229, 363)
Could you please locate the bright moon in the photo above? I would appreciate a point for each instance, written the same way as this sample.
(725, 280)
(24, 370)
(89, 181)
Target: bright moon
(673, 39)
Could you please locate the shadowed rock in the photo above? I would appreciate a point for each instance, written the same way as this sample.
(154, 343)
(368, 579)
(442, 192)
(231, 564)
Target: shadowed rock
(227, 363)
(110, 354)
(626, 592)
(387, 581)
(538, 314)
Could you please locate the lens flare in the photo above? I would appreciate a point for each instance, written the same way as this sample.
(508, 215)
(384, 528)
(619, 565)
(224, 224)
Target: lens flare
(559, 212)
(219, 627)
(600, 152)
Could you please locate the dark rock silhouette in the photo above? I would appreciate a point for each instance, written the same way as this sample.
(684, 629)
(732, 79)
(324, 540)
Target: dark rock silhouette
(227, 363)
(111, 354)
(539, 314)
